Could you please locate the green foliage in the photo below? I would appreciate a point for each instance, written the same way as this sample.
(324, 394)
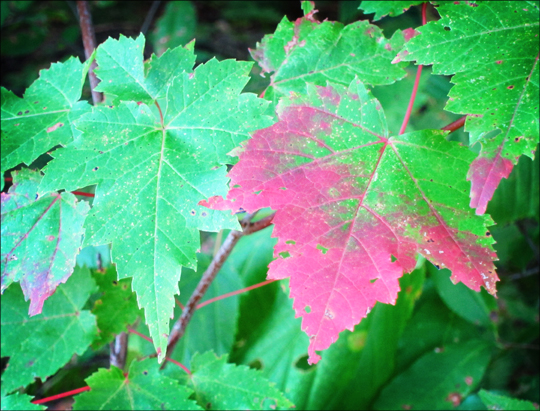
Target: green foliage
(502, 402)
(460, 369)
(19, 402)
(387, 8)
(162, 143)
(44, 117)
(143, 388)
(41, 235)
(175, 27)
(38, 346)
(117, 306)
(149, 211)
(223, 386)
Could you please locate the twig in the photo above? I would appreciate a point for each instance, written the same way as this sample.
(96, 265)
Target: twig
(89, 42)
(526, 273)
(119, 351)
(455, 125)
(221, 256)
(149, 16)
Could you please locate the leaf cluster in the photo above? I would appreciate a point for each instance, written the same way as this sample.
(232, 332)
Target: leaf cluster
(112, 213)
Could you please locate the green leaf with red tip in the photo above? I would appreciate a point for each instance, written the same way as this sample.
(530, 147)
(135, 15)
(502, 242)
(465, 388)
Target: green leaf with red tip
(40, 237)
(143, 388)
(160, 149)
(311, 51)
(493, 49)
(349, 198)
(44, 117)
(38, 346)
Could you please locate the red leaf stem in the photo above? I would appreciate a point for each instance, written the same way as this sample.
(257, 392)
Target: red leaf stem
(243, 290)
(455, 125)
(416, 82)
(80, 193)
(77, 193)
(62, 395)
(186, 369)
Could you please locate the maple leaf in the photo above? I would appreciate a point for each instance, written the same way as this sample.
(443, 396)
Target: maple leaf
(493, 47)
(38, 347)
(40, 237)
(349, 198)
(387, 8)
(142, 388)
(246, 389)
(316, 52)
(116, 308)
(154, 155)
(44, 117)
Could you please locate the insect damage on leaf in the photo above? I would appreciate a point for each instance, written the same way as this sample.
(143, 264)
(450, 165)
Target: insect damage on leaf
(354, 200)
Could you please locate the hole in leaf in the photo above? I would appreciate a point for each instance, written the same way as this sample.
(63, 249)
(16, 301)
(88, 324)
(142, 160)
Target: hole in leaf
(256, 364)
(307, 309)
(290, 242)
(323, 249)
(258, 192)
(372, 281)
(284, 254)
(392, 258)
(302, 363)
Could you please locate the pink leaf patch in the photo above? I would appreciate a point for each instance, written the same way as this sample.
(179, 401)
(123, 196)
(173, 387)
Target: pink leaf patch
(55, 127)
(355, 206)
(485, 175)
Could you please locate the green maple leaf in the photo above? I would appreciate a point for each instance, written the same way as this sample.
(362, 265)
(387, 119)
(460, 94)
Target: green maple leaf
(116, 309)
(387, 8)
(38, 346)
(143, 388)
(44, 117)
(40, 237)
(309, 51)
(492, 48)
(154, 155)
(225, 386)
(19, 401)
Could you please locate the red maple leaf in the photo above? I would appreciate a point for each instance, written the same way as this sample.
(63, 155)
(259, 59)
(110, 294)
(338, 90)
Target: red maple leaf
(355, 206)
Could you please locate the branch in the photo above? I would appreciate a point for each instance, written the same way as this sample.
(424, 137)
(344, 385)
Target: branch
(89, 42)
(221, 256)
(455, 125)
(118, 352)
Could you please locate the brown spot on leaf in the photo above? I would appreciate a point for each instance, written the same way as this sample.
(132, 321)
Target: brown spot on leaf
(510, 87)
